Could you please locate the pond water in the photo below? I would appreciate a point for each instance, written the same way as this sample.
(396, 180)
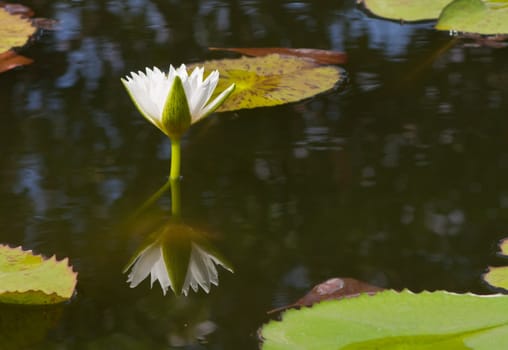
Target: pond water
(397, 179)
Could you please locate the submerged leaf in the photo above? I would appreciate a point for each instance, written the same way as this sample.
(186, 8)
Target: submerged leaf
(404, 10)
(319, 56)
(486, 17)
(271, 80)
(30, 279)
(393, 320)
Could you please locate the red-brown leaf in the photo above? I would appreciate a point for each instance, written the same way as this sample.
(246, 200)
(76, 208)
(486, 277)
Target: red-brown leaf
(318, 56)
(17, 9)
(334, 288)
(10, 60)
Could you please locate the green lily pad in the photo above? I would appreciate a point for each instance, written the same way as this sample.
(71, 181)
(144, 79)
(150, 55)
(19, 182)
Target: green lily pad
(393, 320)
(271, 80)
(498, 276)
(26, 278)
(406, 10)
(486, 17)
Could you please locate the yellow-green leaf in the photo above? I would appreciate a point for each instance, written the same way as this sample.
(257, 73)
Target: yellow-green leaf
(406, 10)
(394, 320)
(487, 17)
(14, 30)
(26, 278)
(271, 80)
(498, 276)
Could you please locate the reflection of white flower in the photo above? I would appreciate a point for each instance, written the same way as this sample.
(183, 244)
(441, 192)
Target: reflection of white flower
(149, 262)
(193, 261)
(158, 96)
(202, 271)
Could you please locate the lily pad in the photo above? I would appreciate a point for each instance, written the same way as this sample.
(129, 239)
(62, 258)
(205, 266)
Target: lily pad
(486, 17)
(406, 10)
(14, 30)
(271, 80)
(26, 278)
(498, 276)
(319, 56)
(394, 320)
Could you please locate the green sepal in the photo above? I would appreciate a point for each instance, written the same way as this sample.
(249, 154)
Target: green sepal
(177, 254)
(176, 117)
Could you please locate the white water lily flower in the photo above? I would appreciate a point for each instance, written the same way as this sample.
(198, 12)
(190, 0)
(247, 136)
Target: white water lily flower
(162, 260)
(159, 96)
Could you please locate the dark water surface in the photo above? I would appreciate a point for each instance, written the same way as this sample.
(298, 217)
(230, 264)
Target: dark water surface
(399, 179)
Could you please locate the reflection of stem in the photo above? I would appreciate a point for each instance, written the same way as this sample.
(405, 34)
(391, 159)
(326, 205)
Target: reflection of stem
(175, 197)
(418, 69)
(175, 159)
(152, 199)
(173, 183)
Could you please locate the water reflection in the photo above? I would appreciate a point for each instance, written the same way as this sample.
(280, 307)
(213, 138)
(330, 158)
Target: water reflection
(398, 185)
(22, 326)
(177, 255)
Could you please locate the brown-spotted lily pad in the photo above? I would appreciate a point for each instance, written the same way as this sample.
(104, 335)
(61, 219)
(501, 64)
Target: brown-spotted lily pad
(14, 30)
(26, 278)
(272, 80)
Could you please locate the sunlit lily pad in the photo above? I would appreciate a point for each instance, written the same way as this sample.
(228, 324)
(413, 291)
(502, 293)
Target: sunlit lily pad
(475, 16)
(498, 276)
(406, 10)
(26, 278)
(14, 30)
(272, 80)
(393, 320)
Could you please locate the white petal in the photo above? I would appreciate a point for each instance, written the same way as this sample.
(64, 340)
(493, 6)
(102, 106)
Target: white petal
(143, 265)
(212, 106)
(149, 92)
(203, 94)
(160, 273)
(199, 270)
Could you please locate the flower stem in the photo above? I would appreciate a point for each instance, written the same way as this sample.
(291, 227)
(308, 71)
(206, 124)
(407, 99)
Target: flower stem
(174, 173)
(175, 198)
